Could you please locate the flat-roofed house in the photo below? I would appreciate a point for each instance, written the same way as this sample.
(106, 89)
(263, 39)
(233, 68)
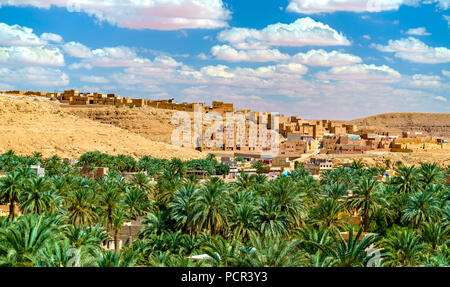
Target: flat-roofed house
(317, 166)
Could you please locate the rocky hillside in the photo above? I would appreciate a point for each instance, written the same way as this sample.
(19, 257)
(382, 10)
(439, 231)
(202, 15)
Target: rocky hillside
(431, 124)
(28, 125)
(153, 124)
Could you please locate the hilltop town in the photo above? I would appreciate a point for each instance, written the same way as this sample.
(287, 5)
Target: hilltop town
(300, 139)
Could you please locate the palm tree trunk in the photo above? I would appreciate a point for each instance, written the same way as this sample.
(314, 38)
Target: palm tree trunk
(109, 227)
(12, 208)
(365, 223)
(366, 217)
(116, 240)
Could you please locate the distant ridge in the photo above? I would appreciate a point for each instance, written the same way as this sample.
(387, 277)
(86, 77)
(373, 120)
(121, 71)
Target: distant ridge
(429, 123)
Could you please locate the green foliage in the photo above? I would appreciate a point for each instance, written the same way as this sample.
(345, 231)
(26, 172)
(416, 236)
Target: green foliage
(260, 167)
(403, 247)
(66, 219)
(351, 253)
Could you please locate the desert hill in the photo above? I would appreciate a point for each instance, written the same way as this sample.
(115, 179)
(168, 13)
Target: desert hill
(30, 124)
(153, 124)
(430, 124)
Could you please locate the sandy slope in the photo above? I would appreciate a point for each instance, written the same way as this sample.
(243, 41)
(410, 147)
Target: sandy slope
(153, 124)
(27, 126)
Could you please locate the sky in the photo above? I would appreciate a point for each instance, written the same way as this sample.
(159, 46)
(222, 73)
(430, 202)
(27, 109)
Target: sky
(316, 59)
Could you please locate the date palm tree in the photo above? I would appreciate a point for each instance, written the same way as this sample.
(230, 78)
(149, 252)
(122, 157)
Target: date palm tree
(58, 254)
(135, 202)
(244, 197)
(168, 183)
(407, 179)
(259, 179)
(222, 252)
(156, 222)
(177, 168)
(244, 181)
(334, 191)
(326, 214)
(81, 207)
(53, 166)
(38, 197)
(142, 182)
(312, 239)
(61, 185)
(291, 200)
(269, 251)
(209, 211)
(436, 260)
(10, 188)
(108, 258)
(435, 234)
(351, 253)
(118, 219)
(109, 203)
(341, 175)
(86, 239)
(357, 165)
(190, 244)
(181, 205)
(25, 237)
(403, 249)
(271, 219)
(243, 221)
(299, 174)
(421, 207)
(367, 200)
(310, 187)
(430, 174)
(9, 161)
(320, 260)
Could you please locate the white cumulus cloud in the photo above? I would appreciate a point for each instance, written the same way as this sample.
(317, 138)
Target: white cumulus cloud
(35, 76)
(50, 37)
(16, 35)
(358, 6)
(227, 53)
(144, 14)
(440, 98)
(94, 79)
(325, 59)
(421, 31)
(361, 73)
(302, 32)
(414, 50)
(425, 81)
(77, 50)
(328, 6)
(31, 56)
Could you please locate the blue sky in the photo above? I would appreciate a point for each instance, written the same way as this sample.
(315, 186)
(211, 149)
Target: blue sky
(334, 59)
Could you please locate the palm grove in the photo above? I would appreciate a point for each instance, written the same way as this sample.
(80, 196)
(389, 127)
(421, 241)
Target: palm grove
(293, 220)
